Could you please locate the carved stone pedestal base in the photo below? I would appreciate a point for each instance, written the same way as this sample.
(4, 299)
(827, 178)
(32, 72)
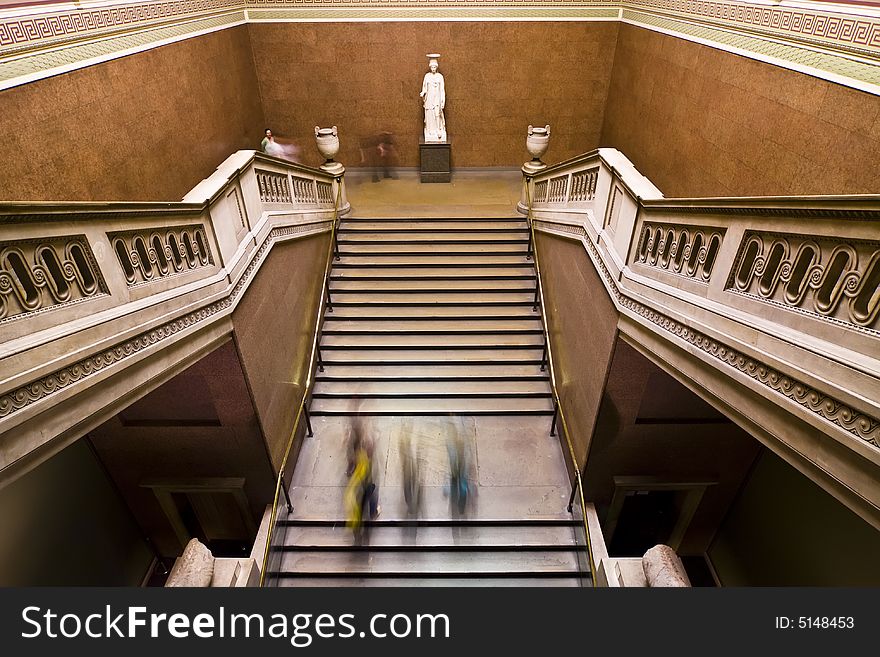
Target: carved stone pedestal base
(434, 162)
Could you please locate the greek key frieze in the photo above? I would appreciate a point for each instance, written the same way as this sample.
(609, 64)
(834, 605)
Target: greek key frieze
(688, 251)
(153, 254)
(15, 400)
(43, 274)
(861, 425)
(836, 279)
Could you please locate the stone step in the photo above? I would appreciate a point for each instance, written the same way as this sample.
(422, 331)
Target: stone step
(432, 341)
(519, 247)
(431, 236)
(437, 372)
(450, 271)
(473, 563)
(433, 357)
(557, 581)
(467, 313)
(436, 387)
(335, 325)
(430, 224)
(432, 406)
(393, 535)
(428, 259)
(463, 285)
(430, 297)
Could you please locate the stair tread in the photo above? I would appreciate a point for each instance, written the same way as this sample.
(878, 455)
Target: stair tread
(421, 340)
(389, 535)
(473, 562)
(431, 297)
(366, 272)
(432, 406)
(396, 260)
(433, 286)
(427, 325)
(468, 312)
(501, 386)
(377, 582)
(464, 372)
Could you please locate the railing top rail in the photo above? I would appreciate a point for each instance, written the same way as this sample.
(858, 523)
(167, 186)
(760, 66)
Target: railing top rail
(637, 184)
(211, 187)
(34, 211)
(559, 167)
(296, 166)
(834, 206)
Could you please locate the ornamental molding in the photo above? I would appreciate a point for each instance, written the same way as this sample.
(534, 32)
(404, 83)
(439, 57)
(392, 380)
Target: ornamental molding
(861, 425)
(850, 214)
(838, 43)
(829, 279)
(42, 274)
(151, 254)
(61, 379)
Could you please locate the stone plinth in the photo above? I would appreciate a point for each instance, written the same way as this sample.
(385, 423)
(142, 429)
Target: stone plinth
(435, 162)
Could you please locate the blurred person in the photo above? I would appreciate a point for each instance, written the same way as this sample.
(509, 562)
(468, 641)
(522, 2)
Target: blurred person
(361, 493)
(459, 489)
(378, 153)
(411, 475)
(278, 147)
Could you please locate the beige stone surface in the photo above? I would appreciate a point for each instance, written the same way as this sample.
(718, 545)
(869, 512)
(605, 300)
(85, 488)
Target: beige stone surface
(663, 568)
(194, 568)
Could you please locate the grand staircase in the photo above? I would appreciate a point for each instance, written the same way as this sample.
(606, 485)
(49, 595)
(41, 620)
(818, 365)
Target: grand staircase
(430, 317)
(434, 317)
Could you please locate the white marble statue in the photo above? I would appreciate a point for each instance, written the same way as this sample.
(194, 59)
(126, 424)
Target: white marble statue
(434, 95)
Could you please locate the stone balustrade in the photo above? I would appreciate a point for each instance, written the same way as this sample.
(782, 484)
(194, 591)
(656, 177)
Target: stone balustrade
(767, 307)
(102, 301)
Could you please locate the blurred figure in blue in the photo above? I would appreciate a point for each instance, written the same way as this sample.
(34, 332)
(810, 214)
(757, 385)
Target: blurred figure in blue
(460, 488)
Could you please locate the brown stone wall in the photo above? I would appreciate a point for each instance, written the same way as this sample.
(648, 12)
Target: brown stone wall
(699, 121)
(199, 424)
(274, 326)
(651, 425)
(148, 126)
(500, 77)
(583, 328)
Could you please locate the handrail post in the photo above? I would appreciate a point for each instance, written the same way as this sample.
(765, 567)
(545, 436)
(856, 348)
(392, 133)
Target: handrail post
(308, 421)
(286, 494)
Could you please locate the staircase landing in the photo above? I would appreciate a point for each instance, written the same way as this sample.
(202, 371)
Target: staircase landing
(472, 193)
(516, 533)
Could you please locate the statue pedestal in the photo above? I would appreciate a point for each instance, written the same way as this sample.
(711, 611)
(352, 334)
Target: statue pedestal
(434, 161)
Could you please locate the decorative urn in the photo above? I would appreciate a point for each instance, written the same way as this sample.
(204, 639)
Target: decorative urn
(327, 141)
(537, 142)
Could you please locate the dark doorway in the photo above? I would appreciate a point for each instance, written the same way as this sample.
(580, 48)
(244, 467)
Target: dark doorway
(647, 518)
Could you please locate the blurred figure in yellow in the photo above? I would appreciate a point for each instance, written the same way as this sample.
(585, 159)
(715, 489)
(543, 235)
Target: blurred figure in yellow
(361, 493)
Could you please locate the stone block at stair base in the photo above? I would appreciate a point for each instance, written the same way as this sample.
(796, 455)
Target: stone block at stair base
(194, 568)
(435, 162)
(663, 568)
